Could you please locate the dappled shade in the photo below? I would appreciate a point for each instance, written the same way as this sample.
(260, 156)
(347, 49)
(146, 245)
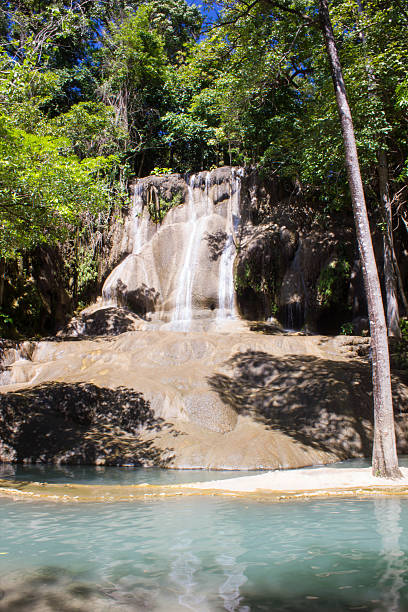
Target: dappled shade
(103, 322)
(320, 403)
(216, 243)
(141, 299)
(79, 424)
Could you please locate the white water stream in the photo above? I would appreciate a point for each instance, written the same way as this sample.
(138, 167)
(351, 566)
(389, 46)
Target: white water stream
(226, 291)
(182, 314)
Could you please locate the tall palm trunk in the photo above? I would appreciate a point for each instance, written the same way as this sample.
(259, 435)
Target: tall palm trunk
(385, 461)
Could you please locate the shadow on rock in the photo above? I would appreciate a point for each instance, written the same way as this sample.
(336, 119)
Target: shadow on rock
(140, 300)
(102, 322)
(216, 243)
(79, 424)
(269, 329)
(320, 403)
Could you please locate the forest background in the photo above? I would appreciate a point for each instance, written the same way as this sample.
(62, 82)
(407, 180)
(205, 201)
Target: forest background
(92, 93)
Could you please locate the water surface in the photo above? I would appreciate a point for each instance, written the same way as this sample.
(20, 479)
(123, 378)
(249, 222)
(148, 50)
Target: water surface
(101, 475)
(205, 554)
(201, 553)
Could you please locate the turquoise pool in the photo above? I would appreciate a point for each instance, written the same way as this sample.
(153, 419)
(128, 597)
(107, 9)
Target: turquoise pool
(202, 553)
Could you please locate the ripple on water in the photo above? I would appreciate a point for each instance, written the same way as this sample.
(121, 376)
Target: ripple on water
(205, 554)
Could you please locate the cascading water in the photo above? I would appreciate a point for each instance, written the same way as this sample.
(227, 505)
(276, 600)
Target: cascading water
(182, 311)
(180, 271)
(226, 292)
(182, 314)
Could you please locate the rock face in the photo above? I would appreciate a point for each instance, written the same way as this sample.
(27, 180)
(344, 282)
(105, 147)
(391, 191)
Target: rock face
(197, 251)
(295, 262)
(196, 400)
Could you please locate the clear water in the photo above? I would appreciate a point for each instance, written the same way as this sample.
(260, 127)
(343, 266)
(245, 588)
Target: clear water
(101, 475)
(204, 554)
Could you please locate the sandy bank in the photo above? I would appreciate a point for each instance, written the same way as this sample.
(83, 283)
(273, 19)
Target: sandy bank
(269, 486)
(314, 480)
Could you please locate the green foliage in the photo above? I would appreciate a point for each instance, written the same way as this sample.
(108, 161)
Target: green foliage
(6, 325)
(160, 171)
(404, 328)
(47, 179)
(91, 129)
(333, 283)
(160, 206)
(188, 138)
(134, 76)
(136, 57)
(87, 270)
(43, 187)
(91, 92)
(346, 329)
(176, 22)
(254, 90)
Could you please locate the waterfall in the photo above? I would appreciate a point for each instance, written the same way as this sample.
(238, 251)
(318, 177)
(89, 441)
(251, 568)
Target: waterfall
(194, 284)
(226, 292)
(182, 314)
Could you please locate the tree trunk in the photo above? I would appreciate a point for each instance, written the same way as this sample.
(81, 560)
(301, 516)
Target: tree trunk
(389, 255)
(2, 279)
(385, 461)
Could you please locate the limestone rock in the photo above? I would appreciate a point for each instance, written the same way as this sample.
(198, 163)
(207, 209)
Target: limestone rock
(209, 412)
(197, 400)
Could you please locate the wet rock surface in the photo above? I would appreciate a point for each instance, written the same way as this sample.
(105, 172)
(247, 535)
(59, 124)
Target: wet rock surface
(293, 261)
(78, 424)
(201, 400)
(173, 265)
